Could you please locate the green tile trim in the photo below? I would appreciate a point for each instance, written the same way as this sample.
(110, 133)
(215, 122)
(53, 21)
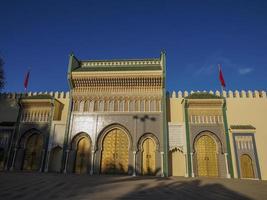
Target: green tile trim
(66, 136)
(203, 95)
(230, 163)
(187, 139)
(243, 127)
(165, 127)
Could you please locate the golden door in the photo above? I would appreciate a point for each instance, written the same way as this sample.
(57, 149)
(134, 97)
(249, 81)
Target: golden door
(246, 166)
(33, 153)
(149, 157)
(207, 161)
(115, 153)
(82, 156)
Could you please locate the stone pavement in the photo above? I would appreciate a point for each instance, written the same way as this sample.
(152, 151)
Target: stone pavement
(41, 186)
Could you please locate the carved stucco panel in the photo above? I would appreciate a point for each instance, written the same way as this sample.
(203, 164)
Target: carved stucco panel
(83, 123)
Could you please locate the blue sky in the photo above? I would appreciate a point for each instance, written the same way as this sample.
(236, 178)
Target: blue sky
(197, 35)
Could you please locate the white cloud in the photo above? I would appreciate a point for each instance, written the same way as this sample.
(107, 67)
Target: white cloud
(244, 71)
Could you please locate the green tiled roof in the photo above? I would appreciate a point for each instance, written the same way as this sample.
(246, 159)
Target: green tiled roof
(242, 127)
(39, 96)
(203, 95)
(120, 68)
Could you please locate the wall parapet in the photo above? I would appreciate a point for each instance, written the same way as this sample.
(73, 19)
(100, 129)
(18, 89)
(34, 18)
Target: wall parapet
(226, 94)
(14, 95)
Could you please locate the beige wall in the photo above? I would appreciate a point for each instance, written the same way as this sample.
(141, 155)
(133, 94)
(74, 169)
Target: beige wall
(177, 163)
(250, 111)
(176, 111)
(58, 127)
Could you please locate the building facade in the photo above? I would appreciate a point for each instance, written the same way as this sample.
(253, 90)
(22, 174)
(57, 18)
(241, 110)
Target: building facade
(118, 118)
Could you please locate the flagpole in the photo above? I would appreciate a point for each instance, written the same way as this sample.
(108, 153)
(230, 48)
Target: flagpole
(26, 80)
(222, 87)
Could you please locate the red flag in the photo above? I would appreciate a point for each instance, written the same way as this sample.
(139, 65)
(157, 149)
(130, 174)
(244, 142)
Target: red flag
(221, 76)
(26, 80)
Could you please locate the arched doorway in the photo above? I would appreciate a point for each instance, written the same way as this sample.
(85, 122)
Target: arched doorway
(207, 161)
(33, 153)
(82, 160)
(115, 152)
(149, 157)
(55, 159)
(246, 166)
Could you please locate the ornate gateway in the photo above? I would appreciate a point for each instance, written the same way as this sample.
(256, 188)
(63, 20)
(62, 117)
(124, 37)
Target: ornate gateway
(115, 153)
(82, 156)
(149, 156)
(33, 153)
(207, 162)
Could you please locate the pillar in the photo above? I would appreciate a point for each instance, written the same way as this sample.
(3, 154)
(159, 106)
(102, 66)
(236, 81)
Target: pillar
(47, 161)
(42, 161)
(92, 162)
(226, 165)
(162, 172)
(186, 165)
(134, 163)
(13, 160)
(66, 163)
(192, 165)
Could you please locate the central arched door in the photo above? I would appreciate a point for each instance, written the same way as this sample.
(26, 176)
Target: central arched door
(82, 156)
(33, 153)
(149, 157)
(246, 166)
(115, 152)
(207, 161)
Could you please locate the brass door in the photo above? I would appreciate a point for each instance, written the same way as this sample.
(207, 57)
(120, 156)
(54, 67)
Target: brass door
(33, 153)
(115, 153)
(246, 166)
(82, 156)
(207, 161)
(149, 157)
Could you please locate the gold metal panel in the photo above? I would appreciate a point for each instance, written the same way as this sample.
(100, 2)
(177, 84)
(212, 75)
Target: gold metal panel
(207, 161)
(33, 153)
(82, 156)
(149, 157)
(115, 154)
(246, 166)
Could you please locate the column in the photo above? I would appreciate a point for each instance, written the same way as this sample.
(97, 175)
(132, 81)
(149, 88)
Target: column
(226, 165)
(42, 161)
(92, 162)
(47, 161)
(162, 172)
(186, 165)
(134, 163)
(66, 163)
(192, 165)
(13, 160)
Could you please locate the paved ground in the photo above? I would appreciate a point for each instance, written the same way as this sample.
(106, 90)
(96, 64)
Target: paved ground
(59, 186)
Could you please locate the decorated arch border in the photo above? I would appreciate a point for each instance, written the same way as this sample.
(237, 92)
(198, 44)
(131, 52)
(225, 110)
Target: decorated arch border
(27, 134)
(146, 136)
(109, 128)
(75, 140)
(213, 136)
